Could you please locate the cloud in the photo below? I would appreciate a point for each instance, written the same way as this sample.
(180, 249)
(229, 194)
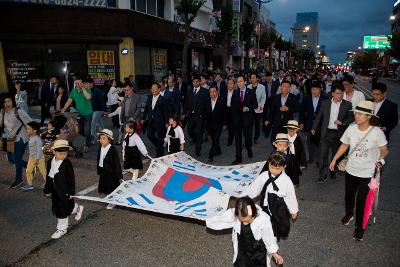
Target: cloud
(343, 23)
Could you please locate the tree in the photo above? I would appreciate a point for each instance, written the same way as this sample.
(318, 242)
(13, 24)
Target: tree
(279, 46)
(365, 61)
(288, 46)
(267, 40)
(394, 41)
(247, 29)
(226, 28)
(187, 11)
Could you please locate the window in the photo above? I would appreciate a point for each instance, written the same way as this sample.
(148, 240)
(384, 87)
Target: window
(141, 5)
(160, 8)
(112, 3)
(152, 7)
(133, 4)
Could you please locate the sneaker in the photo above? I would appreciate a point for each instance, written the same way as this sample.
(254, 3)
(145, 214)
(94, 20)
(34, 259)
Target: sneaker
(358, 235)
(16, 184)
(58, 234)
(347, 219)
(78, 215)
(27, 187)
(322, 180)
(110, 206)
(357, 239)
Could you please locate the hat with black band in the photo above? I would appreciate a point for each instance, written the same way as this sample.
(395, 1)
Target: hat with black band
(365, 107)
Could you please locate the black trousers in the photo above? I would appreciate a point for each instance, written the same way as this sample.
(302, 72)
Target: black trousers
(257, 125)
(356, 191)
(45, 113)
(240, 131)
(115, 119)
(195, 130)
(230, 126)
(267, 106)
(330, 142)
(156, 134)
(215, 149)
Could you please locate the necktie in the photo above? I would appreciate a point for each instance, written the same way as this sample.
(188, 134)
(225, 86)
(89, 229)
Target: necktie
(241, 96)
(195, 91)
(52, 89)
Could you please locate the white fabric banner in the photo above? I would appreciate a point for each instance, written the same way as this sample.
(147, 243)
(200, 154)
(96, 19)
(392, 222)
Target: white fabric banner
(179, 185)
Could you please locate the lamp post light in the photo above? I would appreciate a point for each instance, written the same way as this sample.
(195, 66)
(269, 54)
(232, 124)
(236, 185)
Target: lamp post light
(392, 17)
(306, 29)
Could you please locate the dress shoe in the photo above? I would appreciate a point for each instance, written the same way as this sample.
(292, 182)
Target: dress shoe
(236, 162)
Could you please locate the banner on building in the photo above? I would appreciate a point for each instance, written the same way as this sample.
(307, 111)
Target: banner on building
(100, 62)
(236, 27)
(180, 185)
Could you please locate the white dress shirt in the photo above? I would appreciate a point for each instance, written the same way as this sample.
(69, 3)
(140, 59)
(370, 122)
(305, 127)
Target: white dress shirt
(55, 165)
(154, 101)
(291, 143)
(283, 99)
(229, 98)
(334, 115)
(213, 102)
(355, 99)
(378, 106)
(103, 154)
(315, 100)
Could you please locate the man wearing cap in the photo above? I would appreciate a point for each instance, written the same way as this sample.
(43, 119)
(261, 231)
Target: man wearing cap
(332, 120)
(385, 110)
(350, 94)
(282, 109)
(195, 111)
(82, 97)
(308, 113)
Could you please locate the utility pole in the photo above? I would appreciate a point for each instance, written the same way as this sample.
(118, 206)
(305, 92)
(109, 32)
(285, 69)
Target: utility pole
(259, 26)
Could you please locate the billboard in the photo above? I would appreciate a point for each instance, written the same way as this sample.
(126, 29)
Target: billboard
(376, 41)
(99, 62)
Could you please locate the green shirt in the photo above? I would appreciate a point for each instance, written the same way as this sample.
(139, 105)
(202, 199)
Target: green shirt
(83, 105)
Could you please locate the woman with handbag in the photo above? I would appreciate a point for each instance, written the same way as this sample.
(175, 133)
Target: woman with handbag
(15, 137)
(368, 149)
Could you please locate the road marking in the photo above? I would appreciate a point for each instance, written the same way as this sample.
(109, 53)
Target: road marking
(87, 190)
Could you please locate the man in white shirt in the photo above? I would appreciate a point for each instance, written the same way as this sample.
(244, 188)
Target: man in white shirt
(350, 94)
(259, 89)
(228, 112)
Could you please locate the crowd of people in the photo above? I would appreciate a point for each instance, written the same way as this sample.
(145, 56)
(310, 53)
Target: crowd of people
(324, 105)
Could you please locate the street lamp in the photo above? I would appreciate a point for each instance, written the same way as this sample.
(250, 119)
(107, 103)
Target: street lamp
(306, 29)
(392, 17)
(359, 48)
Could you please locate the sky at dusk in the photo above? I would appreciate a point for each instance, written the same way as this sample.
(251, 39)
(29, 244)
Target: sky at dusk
(343, 23)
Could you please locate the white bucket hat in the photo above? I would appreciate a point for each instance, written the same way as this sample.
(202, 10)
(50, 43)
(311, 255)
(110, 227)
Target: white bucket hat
(107, 133)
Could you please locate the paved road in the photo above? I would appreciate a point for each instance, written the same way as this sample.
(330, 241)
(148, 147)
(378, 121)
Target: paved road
(126, 237)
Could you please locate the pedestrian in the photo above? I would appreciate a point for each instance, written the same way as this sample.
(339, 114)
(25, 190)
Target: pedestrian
(174, 138)
(13, 121)
(259, 89)
(60, 187)
(108, 164)
(332, 120)
(174, 96)
(243, 104)
(385, 110)
(155, 117)
(283, 107)
(131, 149)
(183, 87)
(130, 109)
(253, 239)
(309, 110)
(117, 113)
(231, 86)
(81, 96)
(221, 85)
(98, 107)
(61, 99)
(270, 94)
(215, 121)
(47, 98)
(328, 84)
(36, 156)
(277, 194)
(195, 112)
(293, 88)
(297, 151)
(350, 94)
(112, 101)
(367, 151)
(21, 97)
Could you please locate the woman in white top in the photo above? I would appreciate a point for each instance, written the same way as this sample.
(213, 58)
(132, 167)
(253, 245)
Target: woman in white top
(112, 101)
(21, 97)
(367, 144)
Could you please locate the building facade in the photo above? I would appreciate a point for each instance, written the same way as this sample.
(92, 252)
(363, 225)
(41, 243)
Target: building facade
(306, 32)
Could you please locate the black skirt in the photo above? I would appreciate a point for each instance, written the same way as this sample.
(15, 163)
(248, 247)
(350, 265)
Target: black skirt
(132, 160)
(107, 183)
(174, 145)
(252, 252)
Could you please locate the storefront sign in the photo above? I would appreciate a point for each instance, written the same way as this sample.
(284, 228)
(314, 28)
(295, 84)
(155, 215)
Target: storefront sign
(159, 63)
(236, 27)
(73, 3)
(25, 72)
(100, 62)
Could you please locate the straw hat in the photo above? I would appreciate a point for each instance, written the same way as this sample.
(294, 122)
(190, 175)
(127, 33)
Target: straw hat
(107, 133)
(281, 137)
(292, 124)
(61, 145)
(365, 107)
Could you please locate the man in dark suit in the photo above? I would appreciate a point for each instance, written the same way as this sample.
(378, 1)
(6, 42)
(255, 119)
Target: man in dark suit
(174, 96)
(195, 111)
(48, 98)
(385, 110)
(221, 86)
(243, 103)
(215, 121)
(156, 116)
(332, 120)
(270, 92)
(308, 113)
(183, 87)
(282, 109)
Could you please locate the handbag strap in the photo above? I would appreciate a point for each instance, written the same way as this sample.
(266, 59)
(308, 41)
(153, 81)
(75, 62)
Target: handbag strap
(19, 118)
(359, 143)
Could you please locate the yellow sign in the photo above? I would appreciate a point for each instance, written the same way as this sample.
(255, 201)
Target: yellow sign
(99, 63)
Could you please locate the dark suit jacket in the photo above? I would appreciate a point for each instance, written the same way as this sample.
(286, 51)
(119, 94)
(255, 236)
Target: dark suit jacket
(197, 103)
(222, 89)
(134, 108)
(322, 120)
(279, 118)
(158, 116)
(388, 116)
(275, 87)
(215, 118)
(307, 113)
(249, 101)
(174, 99)
(300, 152)
(48, 98)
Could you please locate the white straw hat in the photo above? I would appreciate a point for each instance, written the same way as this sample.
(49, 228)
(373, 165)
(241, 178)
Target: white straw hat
(365, 107)
(107, 133)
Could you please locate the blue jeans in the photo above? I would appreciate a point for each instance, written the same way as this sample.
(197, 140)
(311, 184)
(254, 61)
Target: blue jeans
(84, 127)
(16, 159)
(97, 120)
